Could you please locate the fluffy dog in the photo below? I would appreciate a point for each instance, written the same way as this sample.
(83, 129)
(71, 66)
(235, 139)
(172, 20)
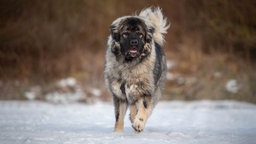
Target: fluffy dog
(135, 67)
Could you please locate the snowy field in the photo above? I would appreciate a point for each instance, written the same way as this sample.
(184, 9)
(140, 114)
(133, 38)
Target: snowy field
(206, 122)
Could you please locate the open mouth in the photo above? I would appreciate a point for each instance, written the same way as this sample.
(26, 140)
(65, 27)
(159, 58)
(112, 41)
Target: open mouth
(132, 53)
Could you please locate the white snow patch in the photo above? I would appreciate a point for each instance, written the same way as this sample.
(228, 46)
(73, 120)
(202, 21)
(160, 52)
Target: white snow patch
(232, 86)
(33, 93)
(96, 92)
(68, 97)
(66, 91)
(67, 82)
(30, 95)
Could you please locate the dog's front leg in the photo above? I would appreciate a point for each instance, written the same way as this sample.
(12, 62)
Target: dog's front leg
(120, 110)
(133, 112)
(144, 107)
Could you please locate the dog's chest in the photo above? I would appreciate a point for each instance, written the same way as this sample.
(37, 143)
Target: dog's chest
(132, 75)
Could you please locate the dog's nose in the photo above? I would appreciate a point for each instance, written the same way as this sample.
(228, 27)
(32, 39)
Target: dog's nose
(134, 42)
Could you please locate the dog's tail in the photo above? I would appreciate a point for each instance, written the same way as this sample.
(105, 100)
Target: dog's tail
(158, 21)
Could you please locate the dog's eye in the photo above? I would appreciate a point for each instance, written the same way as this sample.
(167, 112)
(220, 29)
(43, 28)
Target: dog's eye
(125, 35)
(140, 35)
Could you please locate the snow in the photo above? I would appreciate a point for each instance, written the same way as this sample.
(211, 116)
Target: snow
(232, 86)
(96, 92)
(66, 91)
(70, 81)
(34, 122)
(30, 95)
(33, 92)
(68, 97)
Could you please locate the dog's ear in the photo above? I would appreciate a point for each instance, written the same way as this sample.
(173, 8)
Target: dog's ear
(149, 34)
(115, 45)
(114, 33)
(148, 39)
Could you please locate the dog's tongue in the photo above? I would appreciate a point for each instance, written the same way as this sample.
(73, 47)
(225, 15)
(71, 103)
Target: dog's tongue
(133, 51)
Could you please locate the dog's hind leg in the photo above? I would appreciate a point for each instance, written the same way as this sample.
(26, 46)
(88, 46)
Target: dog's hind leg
(120, 110)
(144, 107)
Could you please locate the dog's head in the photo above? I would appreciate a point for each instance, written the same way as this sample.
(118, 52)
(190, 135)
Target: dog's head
(132, 37)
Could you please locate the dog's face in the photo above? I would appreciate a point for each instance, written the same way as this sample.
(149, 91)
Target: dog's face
(132, 36)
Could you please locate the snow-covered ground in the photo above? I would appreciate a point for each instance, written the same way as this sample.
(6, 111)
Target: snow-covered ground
(207, 122)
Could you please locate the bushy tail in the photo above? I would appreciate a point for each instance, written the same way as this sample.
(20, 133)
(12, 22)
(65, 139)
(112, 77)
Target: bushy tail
(158, 21)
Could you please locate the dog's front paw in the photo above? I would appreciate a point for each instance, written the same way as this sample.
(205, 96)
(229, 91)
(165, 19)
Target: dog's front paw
(138, 124)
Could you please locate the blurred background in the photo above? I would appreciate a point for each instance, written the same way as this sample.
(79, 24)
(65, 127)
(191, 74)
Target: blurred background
(54, 50)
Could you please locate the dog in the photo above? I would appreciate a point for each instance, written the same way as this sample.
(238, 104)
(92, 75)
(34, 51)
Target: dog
(135, 65)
